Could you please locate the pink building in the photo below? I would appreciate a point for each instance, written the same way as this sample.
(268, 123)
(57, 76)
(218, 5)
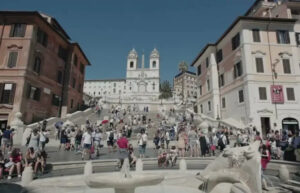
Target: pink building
(41, 70)
(251, 75)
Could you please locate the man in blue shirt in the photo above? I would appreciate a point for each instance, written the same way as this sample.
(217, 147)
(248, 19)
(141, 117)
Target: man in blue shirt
(296, 145)
(6, 139)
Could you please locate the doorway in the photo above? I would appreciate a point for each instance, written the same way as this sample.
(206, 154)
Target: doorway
(3, 124)
(265, 125)
(290, 124)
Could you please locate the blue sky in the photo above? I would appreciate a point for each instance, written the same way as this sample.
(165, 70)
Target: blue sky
(108, 29)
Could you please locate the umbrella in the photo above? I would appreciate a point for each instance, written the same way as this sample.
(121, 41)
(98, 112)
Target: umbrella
(104, 121)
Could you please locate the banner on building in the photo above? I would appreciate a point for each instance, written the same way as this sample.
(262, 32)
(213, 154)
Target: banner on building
(277, 94)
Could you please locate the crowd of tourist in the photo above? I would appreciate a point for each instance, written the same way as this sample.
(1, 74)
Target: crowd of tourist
(127, 132)
(12, 161)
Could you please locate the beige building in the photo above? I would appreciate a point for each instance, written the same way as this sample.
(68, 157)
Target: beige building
(251, 75)
(184, 85)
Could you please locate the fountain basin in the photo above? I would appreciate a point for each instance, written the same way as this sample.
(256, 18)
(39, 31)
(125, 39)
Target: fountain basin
(114, 181)
(173, 182)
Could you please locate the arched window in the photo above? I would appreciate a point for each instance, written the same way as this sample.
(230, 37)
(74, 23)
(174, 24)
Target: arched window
(154, 64)
(37, 64)
(131, 64)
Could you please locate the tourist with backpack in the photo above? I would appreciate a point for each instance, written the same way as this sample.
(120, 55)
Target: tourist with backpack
(110, 140)
(222, 141)
(44, 139)
(87, 143)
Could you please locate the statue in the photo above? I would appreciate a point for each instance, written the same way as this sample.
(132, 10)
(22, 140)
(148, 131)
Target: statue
(236, 170)
(183, 67)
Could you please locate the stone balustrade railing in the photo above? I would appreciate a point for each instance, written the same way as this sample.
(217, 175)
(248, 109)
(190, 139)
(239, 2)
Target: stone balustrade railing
(109, 165)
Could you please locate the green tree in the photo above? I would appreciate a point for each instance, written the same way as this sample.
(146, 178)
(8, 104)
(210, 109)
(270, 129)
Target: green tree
(165, 90)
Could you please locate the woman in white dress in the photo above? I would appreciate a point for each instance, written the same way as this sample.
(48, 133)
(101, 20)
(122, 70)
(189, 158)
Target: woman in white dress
(34, 140)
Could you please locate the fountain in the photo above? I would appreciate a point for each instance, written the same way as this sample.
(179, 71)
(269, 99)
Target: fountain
(27, 176)
(124, 183)
(236, 170)
(182, 165)
(139, 165)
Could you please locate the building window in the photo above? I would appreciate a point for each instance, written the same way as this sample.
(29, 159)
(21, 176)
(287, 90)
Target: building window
(209, 105)
(73, 82)
(115, 84)
(75, 60)
(256, 35)
(34, 93)
(286, 66)
(59, 77)
(283, 37)
(153, 86)
(7, 94)
(259, 65)
(221, 80)
(298, 38)
(82, 68)
(241, 96)
(201, 108)
(199, 70)
(37, 64)
(200, 90)
(207, 62)
(12, 59)
(131, 64)
(262, 93)
(208, 85)
(237, 70)
(235, 41)
(62, 53)
(42, 37)
(223, 102)
(290, 94)
(79, 88)
(18, 30)
(219, 55)
(154, 64)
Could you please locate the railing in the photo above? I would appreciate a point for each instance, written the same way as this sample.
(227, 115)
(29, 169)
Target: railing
(110, 165)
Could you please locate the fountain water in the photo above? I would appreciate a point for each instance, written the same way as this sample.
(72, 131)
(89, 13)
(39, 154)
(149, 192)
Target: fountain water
(125, 182)
(139, 165)
(88, 169)
(27, 176)
(125, 169)
(182, 165)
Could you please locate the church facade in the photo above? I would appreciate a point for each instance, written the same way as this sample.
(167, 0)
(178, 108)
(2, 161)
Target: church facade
(141, 83)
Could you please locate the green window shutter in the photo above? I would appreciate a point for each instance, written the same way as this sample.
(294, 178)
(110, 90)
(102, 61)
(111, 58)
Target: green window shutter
(28, 90)
(12, 94)
(1, 90)
(12, 29)
(12, 60)
(22, 30)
